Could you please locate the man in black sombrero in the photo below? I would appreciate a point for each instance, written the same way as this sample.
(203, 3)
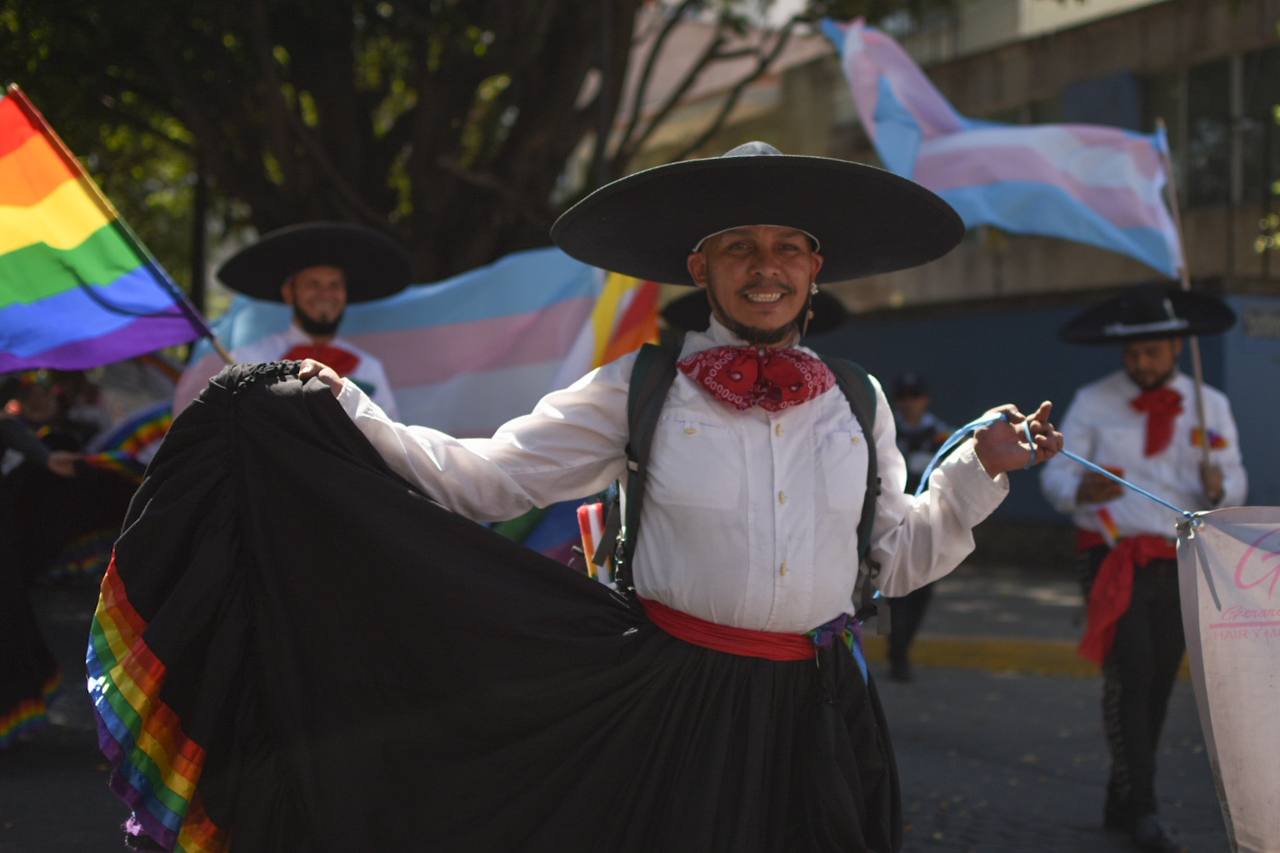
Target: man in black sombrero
(316, 268)
(755, 483)
(1142, 423)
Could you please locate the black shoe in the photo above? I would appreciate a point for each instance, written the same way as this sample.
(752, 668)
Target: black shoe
(1117, 822)
(1150, 834)
(900, 671)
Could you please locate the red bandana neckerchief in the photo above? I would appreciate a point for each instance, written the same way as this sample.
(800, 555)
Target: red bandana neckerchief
(342, 361)
(1162, 406)
(773, 379)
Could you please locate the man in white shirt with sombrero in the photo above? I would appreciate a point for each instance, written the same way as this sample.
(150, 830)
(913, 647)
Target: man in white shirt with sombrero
(1143, 423)
(747, 552)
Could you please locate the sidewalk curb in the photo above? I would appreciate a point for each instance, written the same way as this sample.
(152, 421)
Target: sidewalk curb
(997, 654)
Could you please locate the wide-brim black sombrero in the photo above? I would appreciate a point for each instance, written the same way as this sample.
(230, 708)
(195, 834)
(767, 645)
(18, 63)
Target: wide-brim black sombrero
(1147, 313)
(867, 220)
(375, 266)
(692, 313)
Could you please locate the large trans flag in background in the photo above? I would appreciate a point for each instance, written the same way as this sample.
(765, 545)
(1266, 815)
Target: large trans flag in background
(77, 289)
(469, 353)
(1087, 183)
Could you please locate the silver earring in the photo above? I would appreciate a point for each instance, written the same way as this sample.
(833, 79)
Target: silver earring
(813, 288)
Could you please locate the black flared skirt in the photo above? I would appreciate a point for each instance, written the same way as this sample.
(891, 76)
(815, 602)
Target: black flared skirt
(295, 650)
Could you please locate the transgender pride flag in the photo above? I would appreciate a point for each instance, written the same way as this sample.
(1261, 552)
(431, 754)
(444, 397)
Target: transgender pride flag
(77, 290)
(470, 353)
(1087, 183)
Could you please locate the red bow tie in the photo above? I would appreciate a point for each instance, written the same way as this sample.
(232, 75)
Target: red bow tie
(1162, 406)
(773, 379)
(342, 361)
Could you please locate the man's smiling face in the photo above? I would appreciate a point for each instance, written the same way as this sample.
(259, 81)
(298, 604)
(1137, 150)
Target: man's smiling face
(757, 279)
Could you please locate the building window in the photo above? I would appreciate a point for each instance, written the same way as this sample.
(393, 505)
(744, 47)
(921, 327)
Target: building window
(1259, 132)
(1114, 100)
(1207, 158)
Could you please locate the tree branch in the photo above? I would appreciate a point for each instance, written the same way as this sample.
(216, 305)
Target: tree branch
(673, 100)
(112, 108)
(277, 110)
(731, 100)
(642, 84)
(495, 185)
(280, 134)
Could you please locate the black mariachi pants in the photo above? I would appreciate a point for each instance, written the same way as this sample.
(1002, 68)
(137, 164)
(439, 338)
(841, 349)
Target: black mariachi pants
(1138, 677)
(906, 615)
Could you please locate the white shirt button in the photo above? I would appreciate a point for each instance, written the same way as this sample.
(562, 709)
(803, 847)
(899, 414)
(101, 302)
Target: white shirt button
(777, 430)
(782, 497)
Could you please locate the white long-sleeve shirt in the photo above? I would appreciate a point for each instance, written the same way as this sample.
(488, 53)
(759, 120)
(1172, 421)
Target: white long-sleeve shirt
(368, 372)
(750, 518)
(1101, 426)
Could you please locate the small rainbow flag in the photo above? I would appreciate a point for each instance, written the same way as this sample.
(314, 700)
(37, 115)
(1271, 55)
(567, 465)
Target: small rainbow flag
(29, 715)
(1216, 441)
(591, 524)
(130, 445)
(77, 288)
(1107, 527)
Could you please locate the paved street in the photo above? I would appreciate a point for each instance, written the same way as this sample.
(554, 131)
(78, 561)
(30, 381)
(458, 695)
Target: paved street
(998, 739)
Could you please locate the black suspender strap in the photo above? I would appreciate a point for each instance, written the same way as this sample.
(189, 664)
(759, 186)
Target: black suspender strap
(651, 378)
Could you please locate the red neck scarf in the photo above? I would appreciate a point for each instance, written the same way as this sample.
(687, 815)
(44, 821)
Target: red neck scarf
(773, 379)
(342, 361)
(1162, 406)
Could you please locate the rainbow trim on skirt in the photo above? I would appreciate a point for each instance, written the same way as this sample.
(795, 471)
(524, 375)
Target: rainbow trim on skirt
(157, 767)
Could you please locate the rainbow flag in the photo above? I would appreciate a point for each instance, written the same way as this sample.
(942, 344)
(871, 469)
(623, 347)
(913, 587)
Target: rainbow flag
(1216, 440)
(128, 447)
(77, 289)
(1107, 527)
(1087, 183)
(28, 715)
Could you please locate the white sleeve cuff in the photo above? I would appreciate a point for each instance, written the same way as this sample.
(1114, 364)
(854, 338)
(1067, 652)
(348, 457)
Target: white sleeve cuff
(352, 399)
(977, 493)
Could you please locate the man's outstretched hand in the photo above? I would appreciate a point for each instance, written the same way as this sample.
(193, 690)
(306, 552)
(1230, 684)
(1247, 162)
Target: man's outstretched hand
(309, 367)
(1002, 446)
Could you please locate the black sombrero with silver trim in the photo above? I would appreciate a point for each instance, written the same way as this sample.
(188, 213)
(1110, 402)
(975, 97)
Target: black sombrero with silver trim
(375, 266)
(868, 220)
(1147, 313)
(692, 313)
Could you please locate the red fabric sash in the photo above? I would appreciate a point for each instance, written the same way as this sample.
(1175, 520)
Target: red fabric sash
(1162, 406)
(342, 361)
(773, 379)
(1086, 539)
(725, 638)
(1113, 591)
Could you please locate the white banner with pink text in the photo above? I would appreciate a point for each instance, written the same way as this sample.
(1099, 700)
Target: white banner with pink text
(1229, 569)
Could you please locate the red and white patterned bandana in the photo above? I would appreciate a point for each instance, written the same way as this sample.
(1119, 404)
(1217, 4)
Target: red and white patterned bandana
(773, 379)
